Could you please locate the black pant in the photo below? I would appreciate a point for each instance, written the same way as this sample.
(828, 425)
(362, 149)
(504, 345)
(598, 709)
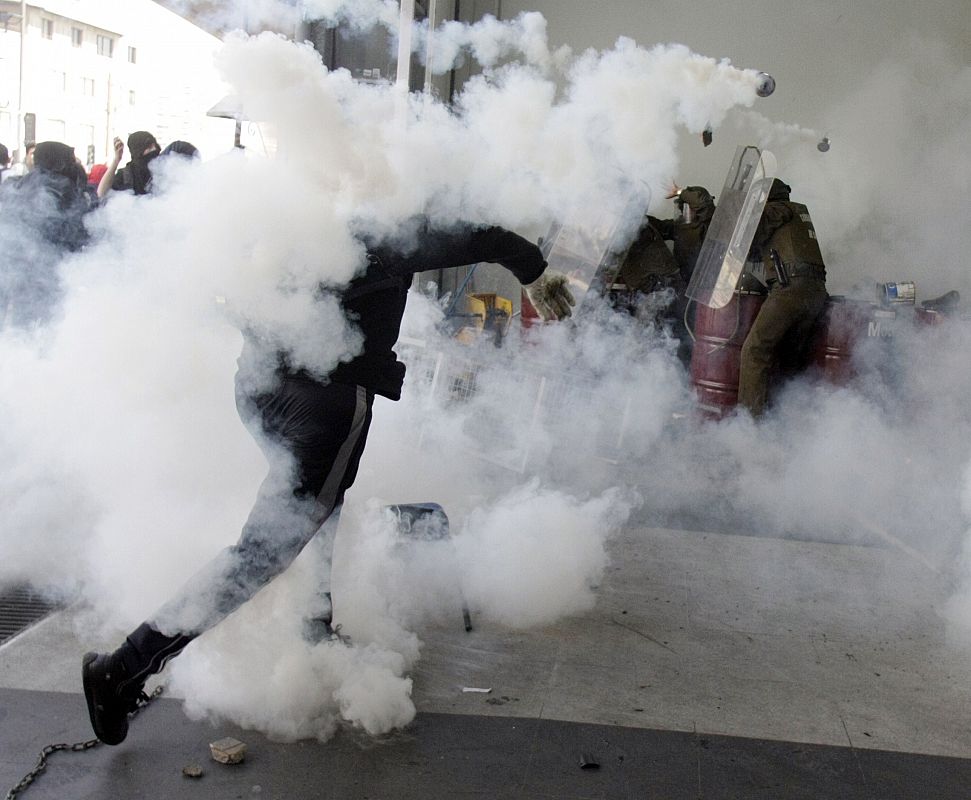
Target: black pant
(314, 436)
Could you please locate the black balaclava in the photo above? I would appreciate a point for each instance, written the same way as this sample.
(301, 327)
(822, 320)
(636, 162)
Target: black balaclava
(58, 175)
(138, 143)
(56, 157)
(62, 173)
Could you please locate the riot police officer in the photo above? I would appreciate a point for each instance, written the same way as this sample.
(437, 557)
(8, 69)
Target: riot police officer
(687, 231)
(785, 240)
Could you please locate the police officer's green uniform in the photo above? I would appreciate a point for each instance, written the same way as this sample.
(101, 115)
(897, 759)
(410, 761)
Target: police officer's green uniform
(649, 284)
(786, 320)
(648, 265)
(688, 236)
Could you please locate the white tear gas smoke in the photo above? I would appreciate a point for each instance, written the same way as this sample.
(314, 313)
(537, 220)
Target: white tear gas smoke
(120, 412)
(888, 201)
(226, 15)
(489, 41)
(286, 15)
(773, 136)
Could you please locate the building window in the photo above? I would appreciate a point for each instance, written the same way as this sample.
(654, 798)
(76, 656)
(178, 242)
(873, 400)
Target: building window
(77, 37)
(55, 130)
(58, 82)
(131, 54)
(47, 28)
(131, 97)
(106, 46)
(86, 136)
(87, 87)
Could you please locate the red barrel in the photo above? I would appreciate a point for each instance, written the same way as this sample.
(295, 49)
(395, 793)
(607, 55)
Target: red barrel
(719, 335)
(928, 316)
(528, 315)
(845, 324)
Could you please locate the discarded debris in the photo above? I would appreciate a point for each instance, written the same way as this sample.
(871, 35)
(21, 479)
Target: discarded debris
(228, 751)
(588, 761)
(501, 701)
(192, 771)
(476, 690)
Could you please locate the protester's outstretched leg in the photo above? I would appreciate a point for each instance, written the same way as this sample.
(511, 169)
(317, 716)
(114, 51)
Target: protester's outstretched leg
(323, 428)
(318, 625)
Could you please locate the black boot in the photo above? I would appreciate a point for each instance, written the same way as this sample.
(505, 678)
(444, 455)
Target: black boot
(113, 682)
(111, 696)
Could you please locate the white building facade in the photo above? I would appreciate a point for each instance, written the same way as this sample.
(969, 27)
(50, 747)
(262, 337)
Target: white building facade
(85, 71)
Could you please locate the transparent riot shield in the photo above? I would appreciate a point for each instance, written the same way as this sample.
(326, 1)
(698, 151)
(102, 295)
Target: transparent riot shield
(590, 251)
(729, 238)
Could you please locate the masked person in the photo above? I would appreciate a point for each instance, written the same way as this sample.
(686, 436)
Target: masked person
(796, 275)
(42, 220)
(322, 424)
(135, 176)
(181, 148)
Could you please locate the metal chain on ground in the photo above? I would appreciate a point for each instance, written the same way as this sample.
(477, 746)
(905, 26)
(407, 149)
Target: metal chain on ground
(77, 747)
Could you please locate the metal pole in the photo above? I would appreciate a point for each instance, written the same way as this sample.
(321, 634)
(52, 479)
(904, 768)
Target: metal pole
(20, 81)
(109, 139)
(432, 11)
(405, 20)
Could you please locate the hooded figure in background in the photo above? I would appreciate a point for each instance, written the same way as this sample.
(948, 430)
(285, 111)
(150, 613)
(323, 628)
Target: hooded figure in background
(42, 219)
(180, 148)
(57, 177)
(176, 157)
(136, 176)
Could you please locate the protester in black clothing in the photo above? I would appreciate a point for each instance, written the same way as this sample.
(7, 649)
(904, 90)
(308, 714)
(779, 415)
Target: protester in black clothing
(57, 183)
(135, 176)
(42, 219)
(179, 152)
(181, 148)
(322, 422)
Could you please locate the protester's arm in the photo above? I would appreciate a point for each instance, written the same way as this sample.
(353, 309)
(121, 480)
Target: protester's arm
(494, 245)
(104, 185)
(459, 247)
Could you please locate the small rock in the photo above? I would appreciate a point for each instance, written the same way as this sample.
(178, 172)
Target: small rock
(228, 751)
(192, 771)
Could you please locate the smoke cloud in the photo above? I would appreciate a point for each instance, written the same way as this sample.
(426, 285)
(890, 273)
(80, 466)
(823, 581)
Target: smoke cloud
(126, 465)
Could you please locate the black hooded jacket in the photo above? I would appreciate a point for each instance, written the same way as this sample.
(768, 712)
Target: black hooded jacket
(136, 175)
(52, 199)
(41, 219)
